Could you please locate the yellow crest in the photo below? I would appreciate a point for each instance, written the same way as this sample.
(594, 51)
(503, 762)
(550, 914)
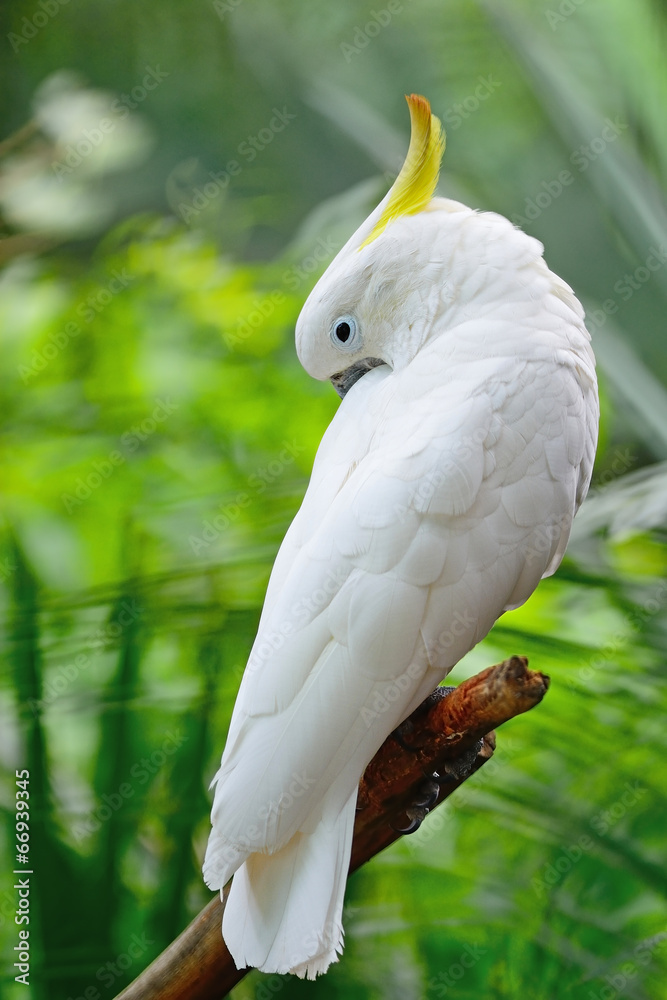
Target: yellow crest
(415, 185)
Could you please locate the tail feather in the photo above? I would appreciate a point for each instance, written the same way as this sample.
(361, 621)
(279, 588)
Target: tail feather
(284, 910)
(222, 859)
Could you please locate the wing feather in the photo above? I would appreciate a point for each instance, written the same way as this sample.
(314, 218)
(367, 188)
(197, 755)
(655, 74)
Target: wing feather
(396, 564)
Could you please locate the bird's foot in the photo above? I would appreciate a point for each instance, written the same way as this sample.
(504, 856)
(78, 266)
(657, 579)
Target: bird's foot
(401, 732)
(407, 727)
(460, 768)
(416, 815)
(427, 796)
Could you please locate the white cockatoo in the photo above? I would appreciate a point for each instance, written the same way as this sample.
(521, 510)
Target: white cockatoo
(443, 490)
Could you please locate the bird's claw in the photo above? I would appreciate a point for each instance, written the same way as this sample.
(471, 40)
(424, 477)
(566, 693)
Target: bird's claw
(429, 792)
(416, 815)
(405, 727)
(460, 768)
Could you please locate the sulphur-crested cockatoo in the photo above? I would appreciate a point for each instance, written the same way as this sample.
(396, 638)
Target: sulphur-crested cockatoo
(442, 491)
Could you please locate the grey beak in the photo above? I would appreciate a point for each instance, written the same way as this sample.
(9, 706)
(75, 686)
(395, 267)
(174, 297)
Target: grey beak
(343, 381)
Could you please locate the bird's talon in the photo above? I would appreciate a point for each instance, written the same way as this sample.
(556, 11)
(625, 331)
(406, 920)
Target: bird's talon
(461, 767)
(396, 733)
(430, 791)
(416, 815)
(407, 830)
(444, 777)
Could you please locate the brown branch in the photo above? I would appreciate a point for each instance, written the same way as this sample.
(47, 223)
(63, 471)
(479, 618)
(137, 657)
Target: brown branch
(451, 726)
(20, 243)
(27, 131)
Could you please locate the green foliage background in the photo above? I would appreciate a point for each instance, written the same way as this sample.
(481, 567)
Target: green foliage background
(158, 434)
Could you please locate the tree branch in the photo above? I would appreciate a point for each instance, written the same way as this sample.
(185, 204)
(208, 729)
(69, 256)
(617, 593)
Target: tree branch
(450, 733)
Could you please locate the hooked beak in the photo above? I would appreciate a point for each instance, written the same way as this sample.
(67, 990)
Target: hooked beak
(343, 381)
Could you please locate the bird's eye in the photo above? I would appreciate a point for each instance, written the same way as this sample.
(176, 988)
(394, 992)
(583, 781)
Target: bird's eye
(345, 333)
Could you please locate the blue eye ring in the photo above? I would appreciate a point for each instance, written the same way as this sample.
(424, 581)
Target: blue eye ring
(345, 335)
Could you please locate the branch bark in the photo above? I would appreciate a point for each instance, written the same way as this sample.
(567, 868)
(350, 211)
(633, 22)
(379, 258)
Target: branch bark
(451, 734)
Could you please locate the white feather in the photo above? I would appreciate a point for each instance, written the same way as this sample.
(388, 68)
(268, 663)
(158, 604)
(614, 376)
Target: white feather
(442, 491)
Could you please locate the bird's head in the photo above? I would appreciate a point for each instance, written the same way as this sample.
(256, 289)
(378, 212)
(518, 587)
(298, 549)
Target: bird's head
(422, 267)
(375, 293)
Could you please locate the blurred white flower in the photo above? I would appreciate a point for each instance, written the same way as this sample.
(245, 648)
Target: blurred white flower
(52, 186)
